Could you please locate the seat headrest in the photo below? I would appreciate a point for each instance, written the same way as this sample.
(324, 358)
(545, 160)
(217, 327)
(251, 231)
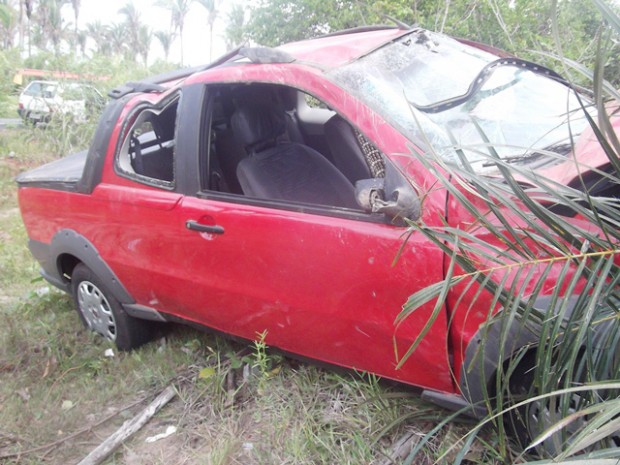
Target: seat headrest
(258, 126)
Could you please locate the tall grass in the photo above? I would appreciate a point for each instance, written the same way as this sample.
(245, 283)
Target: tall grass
(557, 348)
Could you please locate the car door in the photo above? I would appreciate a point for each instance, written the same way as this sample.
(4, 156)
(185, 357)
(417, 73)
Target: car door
(323, 287)
(325, 283)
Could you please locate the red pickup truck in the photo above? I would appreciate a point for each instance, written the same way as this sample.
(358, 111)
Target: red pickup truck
(272, 189)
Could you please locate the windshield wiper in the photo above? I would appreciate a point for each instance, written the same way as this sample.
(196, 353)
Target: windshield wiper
(483, 76)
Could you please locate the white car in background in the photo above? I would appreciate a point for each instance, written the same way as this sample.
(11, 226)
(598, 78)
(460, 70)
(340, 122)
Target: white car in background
(41, 100)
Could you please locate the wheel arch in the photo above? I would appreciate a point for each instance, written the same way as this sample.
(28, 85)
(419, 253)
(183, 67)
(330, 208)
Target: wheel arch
(485, 354)
(68, 248)
(66, 263)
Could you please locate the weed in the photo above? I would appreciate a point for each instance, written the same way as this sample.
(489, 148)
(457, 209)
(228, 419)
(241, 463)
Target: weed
(267, 365)
(261, 360)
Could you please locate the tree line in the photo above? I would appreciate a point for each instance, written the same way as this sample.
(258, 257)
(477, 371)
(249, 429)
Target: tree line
(39, 25)
(519, 26)
(523, 27)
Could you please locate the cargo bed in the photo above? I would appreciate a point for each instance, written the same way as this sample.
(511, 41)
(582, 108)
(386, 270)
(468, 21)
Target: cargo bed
(63, 174)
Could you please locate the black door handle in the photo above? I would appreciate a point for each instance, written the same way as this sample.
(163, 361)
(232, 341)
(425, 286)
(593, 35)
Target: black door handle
(212, 229)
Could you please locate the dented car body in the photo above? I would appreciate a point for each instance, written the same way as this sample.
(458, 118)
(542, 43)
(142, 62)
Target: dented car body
(269, 192)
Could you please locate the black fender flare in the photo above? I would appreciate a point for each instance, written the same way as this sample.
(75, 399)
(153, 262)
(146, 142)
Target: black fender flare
(68, 241)
(482, 360)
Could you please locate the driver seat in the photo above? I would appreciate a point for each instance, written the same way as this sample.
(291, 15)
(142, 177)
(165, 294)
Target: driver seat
(282, 170)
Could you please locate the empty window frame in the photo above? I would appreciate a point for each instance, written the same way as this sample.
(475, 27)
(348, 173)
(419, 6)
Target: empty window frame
(147, 152)
(284, 118)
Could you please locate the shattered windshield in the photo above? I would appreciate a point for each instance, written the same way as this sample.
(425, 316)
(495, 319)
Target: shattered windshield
(451, 96)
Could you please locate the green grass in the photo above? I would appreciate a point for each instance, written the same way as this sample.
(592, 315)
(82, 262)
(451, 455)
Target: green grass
(237, 403)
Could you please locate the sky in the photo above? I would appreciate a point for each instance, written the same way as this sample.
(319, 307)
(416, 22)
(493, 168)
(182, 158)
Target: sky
(195, 34)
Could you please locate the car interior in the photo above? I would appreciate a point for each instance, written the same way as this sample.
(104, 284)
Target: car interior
(148, 150)
(274, 142)
(264, 141)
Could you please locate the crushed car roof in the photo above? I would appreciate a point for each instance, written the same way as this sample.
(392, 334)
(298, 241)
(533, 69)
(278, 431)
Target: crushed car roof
(325, 52)
(340, 48)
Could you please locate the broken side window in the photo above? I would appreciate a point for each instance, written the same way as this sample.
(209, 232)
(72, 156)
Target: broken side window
(147, 151)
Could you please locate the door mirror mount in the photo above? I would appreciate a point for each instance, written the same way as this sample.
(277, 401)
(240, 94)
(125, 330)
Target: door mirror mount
(392, 196)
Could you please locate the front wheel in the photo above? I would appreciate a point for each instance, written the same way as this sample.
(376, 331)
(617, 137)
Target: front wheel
(102, 313)
(529, 421)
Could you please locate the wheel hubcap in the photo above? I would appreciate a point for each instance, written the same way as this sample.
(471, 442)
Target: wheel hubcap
(96, 310)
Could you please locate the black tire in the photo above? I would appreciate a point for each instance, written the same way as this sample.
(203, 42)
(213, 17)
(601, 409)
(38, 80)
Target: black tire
(28, 121)
(519, 421)
(527, 422)
(102, 313)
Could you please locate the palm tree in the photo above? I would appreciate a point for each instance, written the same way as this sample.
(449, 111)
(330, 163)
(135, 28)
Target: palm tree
(165, 39)
(81, 39)
(48, 22)
(132, 15)
(117, 34)
(55, 28)
(145, 35)
(100, 35)
(211, 7)
(132, 23)
(178, 10)
(75, 4)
